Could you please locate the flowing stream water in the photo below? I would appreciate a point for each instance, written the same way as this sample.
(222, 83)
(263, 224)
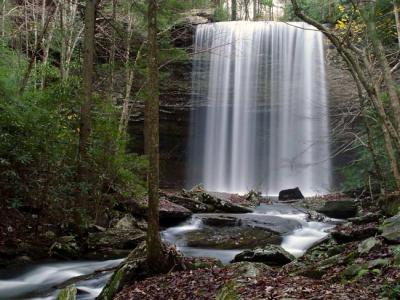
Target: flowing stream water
(43, 280)
(296, 242)
(260, 119)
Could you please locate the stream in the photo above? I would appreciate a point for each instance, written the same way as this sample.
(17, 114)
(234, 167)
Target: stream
(296, 242)
(43, 280)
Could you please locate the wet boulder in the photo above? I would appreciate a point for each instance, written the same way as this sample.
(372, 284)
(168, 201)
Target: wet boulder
(135, 268)
(349, 233)
(172, 213)
(191, 203)
(273, 224)
(339, 209)
(114, 242)
(68, 293)
(290, 194)
(365, 219)
(271, 255)
(222, 203)
(231, 238)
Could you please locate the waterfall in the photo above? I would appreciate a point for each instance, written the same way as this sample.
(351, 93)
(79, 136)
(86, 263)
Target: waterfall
(260, 110)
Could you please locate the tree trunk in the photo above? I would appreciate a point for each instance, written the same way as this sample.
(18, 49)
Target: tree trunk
(112, 52)
(154, 247)
(379, 51)
(254, 10)
(234, 10)
(85, 118)
(3, 18)
(396, 8)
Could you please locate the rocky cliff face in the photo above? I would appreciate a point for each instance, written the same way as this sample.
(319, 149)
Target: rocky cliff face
(175, 96)
(175, 106)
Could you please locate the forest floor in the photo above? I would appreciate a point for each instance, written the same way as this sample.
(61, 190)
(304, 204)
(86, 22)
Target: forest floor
(378, 282)
(354, 262)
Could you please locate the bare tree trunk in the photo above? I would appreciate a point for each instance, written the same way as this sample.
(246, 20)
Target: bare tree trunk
(112, 52)
(368, 15)
(254, 10)
(128, 77)
(85, 118)
(34, 54)
(154, 246)
(396, 8)
(234, 10)
(3, 17)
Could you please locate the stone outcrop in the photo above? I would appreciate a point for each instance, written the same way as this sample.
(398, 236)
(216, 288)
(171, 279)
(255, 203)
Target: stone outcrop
(340, 209)
(271, 255)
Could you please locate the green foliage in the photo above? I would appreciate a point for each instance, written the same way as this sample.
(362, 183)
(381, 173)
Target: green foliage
(221, 14)
(320, 11)
(361, 172)
(391, 291)
(39, 134)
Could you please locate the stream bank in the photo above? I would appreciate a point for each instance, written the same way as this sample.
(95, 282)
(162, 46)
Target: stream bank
(227, 221)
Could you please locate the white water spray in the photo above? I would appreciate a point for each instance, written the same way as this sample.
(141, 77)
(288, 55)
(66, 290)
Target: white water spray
(261, 115)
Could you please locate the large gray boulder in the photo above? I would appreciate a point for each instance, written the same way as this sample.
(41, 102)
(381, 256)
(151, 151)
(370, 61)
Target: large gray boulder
(339, 209)
(391, 229)
(222, 203)
(230, 238)
(273, 224)
(115, 238)
(271, 255)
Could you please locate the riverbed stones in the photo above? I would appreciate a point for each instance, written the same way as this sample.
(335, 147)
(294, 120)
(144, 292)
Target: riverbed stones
(273, 224)
(193, 204)
(67, 293)
(391, 229)
(271, 255)
(231, 238)
(222, 203)
(339, 209)
(349, 233)
(367, 218)
(172, 213)
(290, 194)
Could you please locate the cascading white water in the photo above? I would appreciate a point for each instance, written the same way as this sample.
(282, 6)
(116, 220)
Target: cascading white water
(260, 118)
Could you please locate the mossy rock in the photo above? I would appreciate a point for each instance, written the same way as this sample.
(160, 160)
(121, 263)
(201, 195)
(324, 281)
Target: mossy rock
(227, 292)
(340, 209)
(355, 271)
(395, 250)
(378, 263)
(231, 238)
(368, 244)
(67, 293)
(271, 255)
(391, 229)
(249, 269)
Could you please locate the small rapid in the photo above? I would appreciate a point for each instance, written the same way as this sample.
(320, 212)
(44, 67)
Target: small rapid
(43, 281)
(296, 242)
